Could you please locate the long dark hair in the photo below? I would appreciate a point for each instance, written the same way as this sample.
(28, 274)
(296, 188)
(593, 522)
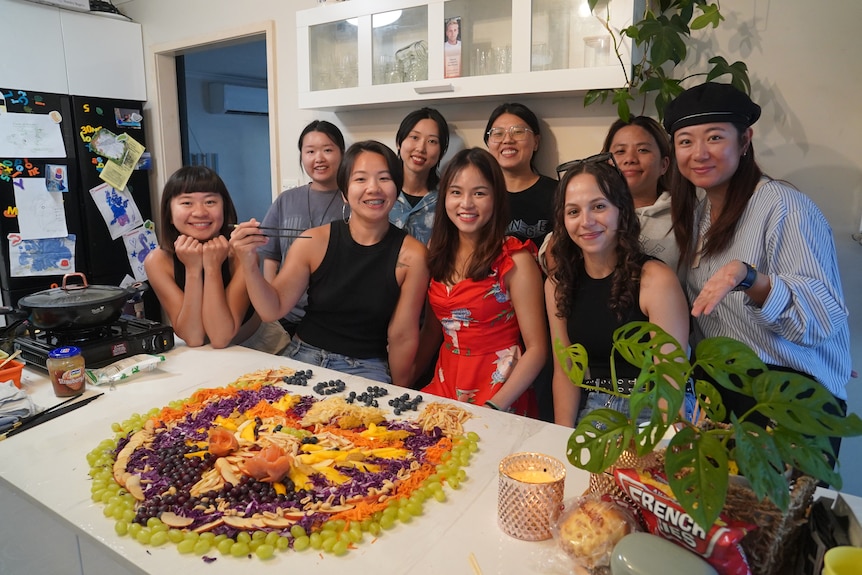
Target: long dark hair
(525, 114)
(188, 180)
(625, 285)
(739, 190)
(329, 129)
(342, 178)
(658, 134)
(409, 122)
(443, 246)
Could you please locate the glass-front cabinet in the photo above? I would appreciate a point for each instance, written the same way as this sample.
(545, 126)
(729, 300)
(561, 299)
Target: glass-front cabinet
(377, 52)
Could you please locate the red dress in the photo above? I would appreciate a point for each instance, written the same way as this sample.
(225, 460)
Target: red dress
(481, 337)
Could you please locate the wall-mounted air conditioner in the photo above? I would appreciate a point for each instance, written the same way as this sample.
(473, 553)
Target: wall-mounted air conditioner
(80, 5)
(235, 99)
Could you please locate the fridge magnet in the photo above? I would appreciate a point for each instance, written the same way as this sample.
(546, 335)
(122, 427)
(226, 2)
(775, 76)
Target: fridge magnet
(42, 257)
(118, 209)
(117, 172)
(128, 118)
(56, 179)
(452, 48)
(40, 212)
(30, 136)
(146, 162)
(139, 243)
(106, 143)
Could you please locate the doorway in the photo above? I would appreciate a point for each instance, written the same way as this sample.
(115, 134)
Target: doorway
(193, 127)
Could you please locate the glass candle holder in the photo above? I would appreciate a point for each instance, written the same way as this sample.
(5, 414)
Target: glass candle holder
(530, 495)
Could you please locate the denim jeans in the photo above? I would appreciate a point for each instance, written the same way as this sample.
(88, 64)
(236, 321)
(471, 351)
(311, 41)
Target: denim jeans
(374, 368)
(597, 399)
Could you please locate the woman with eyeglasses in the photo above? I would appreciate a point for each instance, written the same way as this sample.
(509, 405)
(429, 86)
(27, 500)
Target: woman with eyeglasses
(422, 140)
(513, 137)
(485, 293)
(758, 255)
(602, 280)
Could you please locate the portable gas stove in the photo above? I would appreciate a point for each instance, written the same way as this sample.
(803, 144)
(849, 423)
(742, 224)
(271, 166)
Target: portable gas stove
(100, 345)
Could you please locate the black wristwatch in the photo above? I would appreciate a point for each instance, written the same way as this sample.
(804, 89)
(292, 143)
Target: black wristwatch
(748, 280)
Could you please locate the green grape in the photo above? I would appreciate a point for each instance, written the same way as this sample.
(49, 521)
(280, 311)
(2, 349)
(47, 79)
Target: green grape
(339, 548)
(390, 512)
(218, 538)
(440, 496)
(473, 436)
(271, 538)
(243, 537)
(186, 546)
(254, 544)
(301, 543)
(329, 543)
(283, 543)
(472, 447)
(191, 536)
(128, 514)
(454, 483)
(240, 548)
(436, 488)
(404, 516)
(462, 475)
(339, 524)
(159, 527)
(159, 538)
(108, 510)
(224, 546)
(258, 535)
(202, 547)
(297, 530)
(355, 534)
(134, 529)
(208, 536)
(143, 536)
(175, 535)
(316, 540)
(97, 484)
(121, 528)
(265, 551)
(446, 456)
(96, 495)
(387, 522)
(414, 509)
(119, 513)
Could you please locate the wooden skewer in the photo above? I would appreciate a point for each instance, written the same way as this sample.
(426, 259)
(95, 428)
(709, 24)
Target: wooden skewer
(10, 358)
(275, 229)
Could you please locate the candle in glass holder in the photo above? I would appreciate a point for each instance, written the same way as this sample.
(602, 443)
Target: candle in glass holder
(530, 495)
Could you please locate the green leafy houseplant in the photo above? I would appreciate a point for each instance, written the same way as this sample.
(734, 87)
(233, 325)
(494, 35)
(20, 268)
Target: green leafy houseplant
(697, 459)
(662, 37)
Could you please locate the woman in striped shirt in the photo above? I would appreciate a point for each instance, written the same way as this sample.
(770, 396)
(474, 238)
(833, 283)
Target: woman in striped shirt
(757, 255)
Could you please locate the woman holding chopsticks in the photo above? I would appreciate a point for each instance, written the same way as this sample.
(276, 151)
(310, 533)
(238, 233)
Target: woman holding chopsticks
(366, 279)
(193, 268)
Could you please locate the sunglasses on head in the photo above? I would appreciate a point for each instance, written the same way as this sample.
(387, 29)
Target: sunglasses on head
(594, 159)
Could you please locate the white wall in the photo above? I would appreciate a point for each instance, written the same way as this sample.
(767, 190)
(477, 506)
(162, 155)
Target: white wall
(802, 56)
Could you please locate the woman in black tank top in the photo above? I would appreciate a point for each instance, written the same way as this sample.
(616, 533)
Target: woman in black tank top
(603, 280)
(366, 279)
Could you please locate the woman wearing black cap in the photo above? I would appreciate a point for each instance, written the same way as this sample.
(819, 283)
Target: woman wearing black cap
(757, 255)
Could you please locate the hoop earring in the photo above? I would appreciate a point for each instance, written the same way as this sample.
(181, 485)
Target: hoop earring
(345, 216)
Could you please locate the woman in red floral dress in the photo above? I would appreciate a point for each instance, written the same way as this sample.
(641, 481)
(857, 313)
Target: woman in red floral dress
(485, 293)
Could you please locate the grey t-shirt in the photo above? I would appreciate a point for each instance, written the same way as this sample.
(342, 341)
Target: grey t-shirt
(299, 208)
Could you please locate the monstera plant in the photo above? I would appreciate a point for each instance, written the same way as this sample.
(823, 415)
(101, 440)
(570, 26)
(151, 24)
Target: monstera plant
(662, 39)
(698, 457)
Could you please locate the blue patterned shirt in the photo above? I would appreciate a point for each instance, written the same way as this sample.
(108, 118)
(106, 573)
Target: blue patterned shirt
(415, 220)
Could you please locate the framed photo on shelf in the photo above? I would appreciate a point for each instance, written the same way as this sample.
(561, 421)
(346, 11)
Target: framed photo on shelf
(452, 48)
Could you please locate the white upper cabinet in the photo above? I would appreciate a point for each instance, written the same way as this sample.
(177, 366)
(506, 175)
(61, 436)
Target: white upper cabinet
(33, 57)
(377, 52)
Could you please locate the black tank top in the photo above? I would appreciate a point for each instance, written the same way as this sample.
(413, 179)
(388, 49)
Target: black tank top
(592, 323)
(352, 295)
(180, 279)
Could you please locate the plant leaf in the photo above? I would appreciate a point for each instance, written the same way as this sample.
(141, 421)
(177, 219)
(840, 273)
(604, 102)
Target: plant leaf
(806, 454)
(696, 468)
(799, 403)
(594, 95)
(709, 398)
(599, 439)
(729, 362)
(622, 97)
(710, 15)
(573, 360)
(760, 462)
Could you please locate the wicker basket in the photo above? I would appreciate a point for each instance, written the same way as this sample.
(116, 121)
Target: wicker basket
(767, 548)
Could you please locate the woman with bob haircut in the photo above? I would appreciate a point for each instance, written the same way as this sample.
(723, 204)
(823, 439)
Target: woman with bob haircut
(485, 293)
(366, 279)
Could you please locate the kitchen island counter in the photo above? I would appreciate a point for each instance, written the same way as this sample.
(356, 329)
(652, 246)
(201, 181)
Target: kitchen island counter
(44, 482)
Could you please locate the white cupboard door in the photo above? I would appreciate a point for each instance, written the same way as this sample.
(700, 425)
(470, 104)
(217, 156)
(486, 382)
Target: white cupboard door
(33, 56)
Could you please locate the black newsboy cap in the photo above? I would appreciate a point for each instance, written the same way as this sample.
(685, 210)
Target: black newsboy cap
(710, 102)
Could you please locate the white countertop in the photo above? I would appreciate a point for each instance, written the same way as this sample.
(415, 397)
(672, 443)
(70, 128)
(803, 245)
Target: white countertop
(48, 465)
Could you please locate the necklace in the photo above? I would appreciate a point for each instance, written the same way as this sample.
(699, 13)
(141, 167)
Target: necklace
(326, 211)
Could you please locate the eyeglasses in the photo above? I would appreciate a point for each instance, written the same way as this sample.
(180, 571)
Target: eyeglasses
(518, 133)
(594, 159)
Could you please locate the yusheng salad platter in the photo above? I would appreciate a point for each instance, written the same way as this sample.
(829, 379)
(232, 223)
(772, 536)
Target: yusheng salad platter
(254, 468)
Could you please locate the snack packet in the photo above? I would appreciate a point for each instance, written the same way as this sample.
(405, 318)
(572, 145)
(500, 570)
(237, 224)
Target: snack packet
(590, 526)
(665, 517)
(123, 369)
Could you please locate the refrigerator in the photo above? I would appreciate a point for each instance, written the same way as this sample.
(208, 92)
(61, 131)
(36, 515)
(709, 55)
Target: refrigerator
(49, 164)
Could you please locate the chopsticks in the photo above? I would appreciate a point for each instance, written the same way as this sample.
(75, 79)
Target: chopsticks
(291, 232)
(61, 408)
(10, 358)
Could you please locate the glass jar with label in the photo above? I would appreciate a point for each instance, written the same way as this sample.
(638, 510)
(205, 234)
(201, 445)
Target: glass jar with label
(66, 368)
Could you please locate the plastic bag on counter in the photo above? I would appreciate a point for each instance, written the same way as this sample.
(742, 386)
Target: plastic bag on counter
(123, 369)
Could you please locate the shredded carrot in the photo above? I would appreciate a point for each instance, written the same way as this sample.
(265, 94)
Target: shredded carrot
(435, 453)
(195, 402)
(263, 410)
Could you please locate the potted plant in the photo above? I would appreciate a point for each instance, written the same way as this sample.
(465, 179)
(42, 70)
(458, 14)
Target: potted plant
(661, 39)
(697, 459)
